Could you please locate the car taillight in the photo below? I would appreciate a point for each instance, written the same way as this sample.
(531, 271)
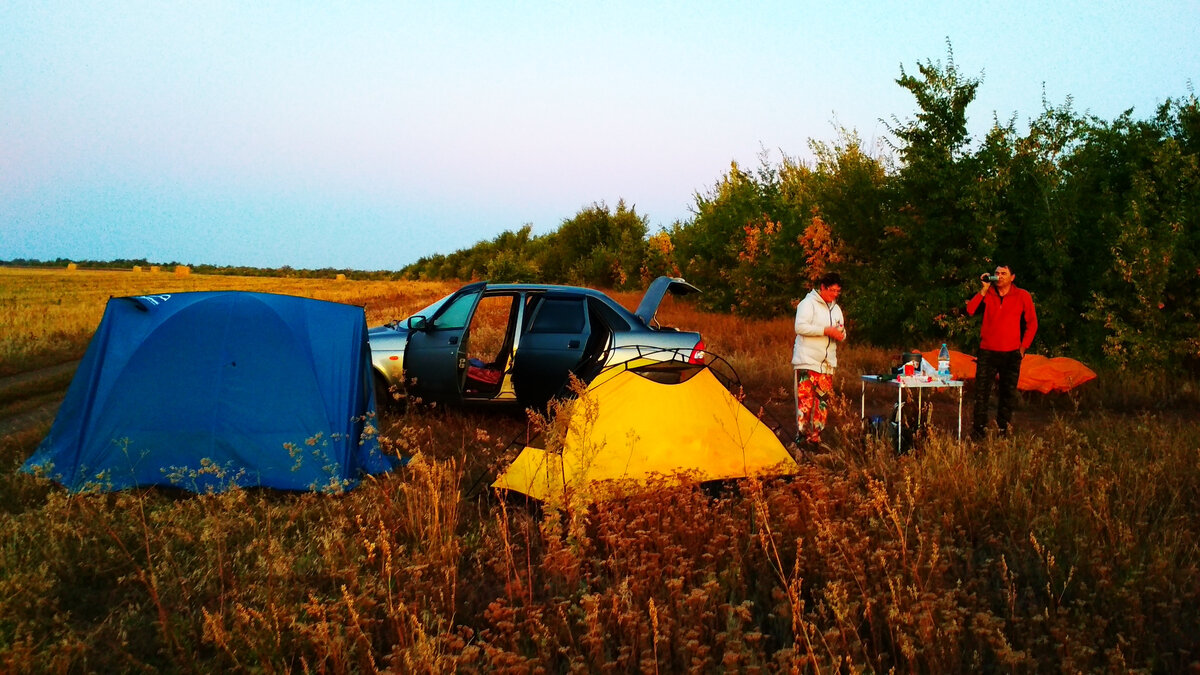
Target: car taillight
(697, 355)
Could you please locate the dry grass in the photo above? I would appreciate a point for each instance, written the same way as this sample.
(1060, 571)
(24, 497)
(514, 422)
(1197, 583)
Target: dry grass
(48, 316)
(1069, 547)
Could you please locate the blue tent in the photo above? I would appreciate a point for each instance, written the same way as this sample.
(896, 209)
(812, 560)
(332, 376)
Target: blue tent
(205, 391)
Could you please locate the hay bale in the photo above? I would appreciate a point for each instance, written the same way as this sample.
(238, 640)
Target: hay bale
(154, 269)
(182, 270)
(137, 269)
(341, 277)
(71, 267)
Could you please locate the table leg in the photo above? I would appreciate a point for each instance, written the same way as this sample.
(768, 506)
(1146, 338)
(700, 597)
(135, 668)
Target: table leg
(920, 406)
(796, 402)
(899, 419)
(862, 407)
(960, 413)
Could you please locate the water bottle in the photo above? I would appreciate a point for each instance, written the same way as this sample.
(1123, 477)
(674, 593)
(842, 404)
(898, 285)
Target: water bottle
(944, 363)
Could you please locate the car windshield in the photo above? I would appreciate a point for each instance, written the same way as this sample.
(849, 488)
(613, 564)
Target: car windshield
(433, 307)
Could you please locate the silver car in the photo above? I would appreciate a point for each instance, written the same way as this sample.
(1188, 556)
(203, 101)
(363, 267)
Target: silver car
(520, 343)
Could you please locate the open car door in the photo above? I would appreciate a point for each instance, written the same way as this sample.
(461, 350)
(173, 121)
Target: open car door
(435, 360)
(554, 342)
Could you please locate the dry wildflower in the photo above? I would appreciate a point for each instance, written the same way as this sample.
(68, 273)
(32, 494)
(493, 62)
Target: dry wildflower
(1069, 549)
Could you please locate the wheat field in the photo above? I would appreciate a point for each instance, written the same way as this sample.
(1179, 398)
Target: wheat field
(1069, 546)
(50, 314)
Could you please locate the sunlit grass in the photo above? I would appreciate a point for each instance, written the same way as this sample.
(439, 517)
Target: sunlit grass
(49, 315)
(1070, 546)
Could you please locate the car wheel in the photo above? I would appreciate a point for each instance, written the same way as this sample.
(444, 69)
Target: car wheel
(386, 402)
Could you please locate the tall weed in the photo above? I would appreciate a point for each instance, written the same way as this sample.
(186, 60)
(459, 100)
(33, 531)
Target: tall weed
(1069, 545)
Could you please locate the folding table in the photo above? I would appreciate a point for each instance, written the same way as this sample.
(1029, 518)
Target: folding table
(918, 382)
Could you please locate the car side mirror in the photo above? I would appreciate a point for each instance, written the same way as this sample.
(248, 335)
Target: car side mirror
(417, 322)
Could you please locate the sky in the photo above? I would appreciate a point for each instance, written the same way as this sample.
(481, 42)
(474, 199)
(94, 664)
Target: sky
(365, 135)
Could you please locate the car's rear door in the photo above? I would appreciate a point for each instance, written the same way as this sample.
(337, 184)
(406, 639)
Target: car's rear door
(435, 359)
(552, 344)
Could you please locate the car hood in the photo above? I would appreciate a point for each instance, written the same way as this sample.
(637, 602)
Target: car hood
(654, 295)
(394, 328)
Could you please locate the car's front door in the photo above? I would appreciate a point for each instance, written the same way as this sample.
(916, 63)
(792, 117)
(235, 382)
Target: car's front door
(552, 344)
(435, 359)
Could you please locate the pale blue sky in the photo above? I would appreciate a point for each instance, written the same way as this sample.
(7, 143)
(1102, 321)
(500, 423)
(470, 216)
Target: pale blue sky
(368, 134)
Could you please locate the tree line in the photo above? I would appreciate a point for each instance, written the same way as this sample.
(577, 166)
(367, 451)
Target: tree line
(1099, 220)
(287, 271)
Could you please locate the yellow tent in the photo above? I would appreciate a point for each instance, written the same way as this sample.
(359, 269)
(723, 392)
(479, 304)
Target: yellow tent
(625, 427)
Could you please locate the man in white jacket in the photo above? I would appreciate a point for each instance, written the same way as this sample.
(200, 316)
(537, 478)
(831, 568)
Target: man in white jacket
(819, 328)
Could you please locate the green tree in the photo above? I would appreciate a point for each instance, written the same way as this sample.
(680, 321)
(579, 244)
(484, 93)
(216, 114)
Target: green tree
(1028, 225)
(597, 247)
(660, 256)
(741, 246)
(509, 257)
(509, 267)
(845, 189)
(932, 234)
(1144, 302)
(848, 185)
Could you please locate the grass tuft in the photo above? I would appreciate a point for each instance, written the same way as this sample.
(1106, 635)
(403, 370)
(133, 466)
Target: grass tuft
(1070, 545)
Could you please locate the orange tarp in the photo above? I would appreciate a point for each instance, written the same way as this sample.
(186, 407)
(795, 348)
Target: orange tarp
(962, 366)
(1038, 373)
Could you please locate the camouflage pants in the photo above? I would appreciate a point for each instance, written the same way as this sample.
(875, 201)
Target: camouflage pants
(812, 390)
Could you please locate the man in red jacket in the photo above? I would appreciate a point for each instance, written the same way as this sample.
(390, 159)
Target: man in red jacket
(1009, 324)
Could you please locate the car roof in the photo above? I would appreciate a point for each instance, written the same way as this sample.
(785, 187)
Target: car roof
(633, 318)
(543, 287)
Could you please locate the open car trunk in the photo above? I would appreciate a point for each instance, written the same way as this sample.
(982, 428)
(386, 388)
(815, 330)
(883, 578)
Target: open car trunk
(654, 295)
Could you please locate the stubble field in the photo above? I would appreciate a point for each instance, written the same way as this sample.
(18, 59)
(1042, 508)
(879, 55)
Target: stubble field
(1069, 546)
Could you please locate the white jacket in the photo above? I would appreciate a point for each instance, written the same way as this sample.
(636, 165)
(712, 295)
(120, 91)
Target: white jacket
(813, 349)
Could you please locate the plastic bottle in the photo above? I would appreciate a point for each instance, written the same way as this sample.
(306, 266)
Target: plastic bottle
(944, 363)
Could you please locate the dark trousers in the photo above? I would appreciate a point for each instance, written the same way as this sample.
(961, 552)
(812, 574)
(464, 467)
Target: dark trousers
(989, 365)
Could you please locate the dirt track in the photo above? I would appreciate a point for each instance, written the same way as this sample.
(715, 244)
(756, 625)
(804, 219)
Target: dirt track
(32, 398)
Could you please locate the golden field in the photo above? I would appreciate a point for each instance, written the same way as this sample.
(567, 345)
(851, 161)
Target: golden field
(50, 314)
(1070, 546)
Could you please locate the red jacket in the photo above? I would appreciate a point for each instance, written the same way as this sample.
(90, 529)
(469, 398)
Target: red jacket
(1002, 319)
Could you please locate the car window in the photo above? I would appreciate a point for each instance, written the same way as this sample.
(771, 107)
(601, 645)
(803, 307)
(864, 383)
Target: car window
(610, 316)
(455, 314)
(559, 315)
(531, 305)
